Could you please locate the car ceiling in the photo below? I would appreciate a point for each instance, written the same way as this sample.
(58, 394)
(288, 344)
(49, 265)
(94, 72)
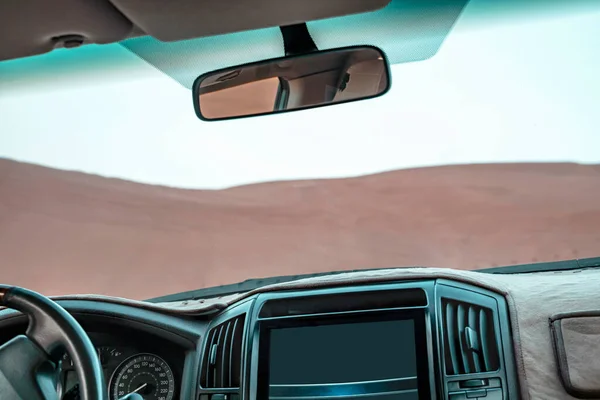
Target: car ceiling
(30, 27)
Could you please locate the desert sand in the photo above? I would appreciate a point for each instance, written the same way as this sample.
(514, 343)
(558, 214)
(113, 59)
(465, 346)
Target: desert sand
(67, 232)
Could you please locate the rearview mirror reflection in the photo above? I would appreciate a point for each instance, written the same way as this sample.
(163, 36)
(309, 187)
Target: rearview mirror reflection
(292, 83)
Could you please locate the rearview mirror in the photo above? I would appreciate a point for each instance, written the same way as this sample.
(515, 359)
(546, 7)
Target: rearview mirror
(292, 83)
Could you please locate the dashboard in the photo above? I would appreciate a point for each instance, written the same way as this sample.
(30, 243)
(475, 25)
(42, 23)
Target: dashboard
(420, 338)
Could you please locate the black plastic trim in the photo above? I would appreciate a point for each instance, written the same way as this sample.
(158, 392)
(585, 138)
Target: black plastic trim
(252, 284)
(566, 265)
(297, 39)
(343, 303)
(246, 286)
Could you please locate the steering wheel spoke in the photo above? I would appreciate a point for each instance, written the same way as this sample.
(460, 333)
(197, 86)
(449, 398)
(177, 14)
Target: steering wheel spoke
(26, 372)
(27, 362)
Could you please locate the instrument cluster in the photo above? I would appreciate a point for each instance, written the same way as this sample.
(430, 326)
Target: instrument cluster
(126, 370)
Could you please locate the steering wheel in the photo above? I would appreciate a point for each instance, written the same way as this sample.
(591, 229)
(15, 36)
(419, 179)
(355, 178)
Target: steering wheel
(28, 362)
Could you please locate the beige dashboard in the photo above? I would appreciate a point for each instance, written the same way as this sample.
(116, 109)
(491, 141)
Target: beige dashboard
(534, 300)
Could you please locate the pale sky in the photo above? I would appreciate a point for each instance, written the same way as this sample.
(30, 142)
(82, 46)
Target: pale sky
(525, 91)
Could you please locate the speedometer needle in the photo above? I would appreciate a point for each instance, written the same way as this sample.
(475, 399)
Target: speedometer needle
(140, 388)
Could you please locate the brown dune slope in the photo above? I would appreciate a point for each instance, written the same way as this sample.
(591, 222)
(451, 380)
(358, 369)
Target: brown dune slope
(69, 232)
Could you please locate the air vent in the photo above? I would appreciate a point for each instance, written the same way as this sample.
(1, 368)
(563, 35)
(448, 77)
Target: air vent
(470, 345)
(222, 358)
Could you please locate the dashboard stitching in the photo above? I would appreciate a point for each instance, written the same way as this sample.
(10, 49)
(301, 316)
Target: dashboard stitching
(516, 338)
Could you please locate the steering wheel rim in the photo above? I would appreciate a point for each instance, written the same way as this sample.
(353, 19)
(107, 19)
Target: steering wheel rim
(51, 330)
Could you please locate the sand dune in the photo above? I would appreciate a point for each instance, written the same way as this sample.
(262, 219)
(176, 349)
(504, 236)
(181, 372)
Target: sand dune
(69, 232)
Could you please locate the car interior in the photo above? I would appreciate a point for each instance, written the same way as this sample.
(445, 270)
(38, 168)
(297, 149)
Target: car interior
(517, 332)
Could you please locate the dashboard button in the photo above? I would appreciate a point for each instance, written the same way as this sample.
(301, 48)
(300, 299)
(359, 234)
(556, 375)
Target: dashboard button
(477, 394)
(494, 394)
(474, 383)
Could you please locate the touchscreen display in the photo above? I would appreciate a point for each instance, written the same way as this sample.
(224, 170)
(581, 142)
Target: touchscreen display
(373, 360)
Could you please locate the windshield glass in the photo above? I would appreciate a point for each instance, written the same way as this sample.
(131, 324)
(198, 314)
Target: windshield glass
(484, 153)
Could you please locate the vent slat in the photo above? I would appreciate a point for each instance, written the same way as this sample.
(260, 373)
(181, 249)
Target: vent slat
(474, 327)
(211, 340)
(461, 325)
(470, 344)
(225, 377)
(215, 376)
(483, 335)
(451, 338)
(231, 355)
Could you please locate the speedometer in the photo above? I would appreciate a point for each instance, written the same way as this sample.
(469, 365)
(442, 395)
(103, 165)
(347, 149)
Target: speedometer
(145, 374)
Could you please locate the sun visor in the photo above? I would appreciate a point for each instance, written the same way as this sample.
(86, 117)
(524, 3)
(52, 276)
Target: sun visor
(406, 31)
(185, 19)
(37, 26)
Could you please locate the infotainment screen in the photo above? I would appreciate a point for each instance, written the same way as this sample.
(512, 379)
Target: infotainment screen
(373, 358)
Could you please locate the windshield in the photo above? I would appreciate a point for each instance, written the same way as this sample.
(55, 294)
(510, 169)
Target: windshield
(484, 153)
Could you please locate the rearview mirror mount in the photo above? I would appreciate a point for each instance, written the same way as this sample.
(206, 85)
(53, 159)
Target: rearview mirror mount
(292, 83)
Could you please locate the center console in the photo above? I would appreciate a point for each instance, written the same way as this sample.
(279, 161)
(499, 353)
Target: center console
(431, 339)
